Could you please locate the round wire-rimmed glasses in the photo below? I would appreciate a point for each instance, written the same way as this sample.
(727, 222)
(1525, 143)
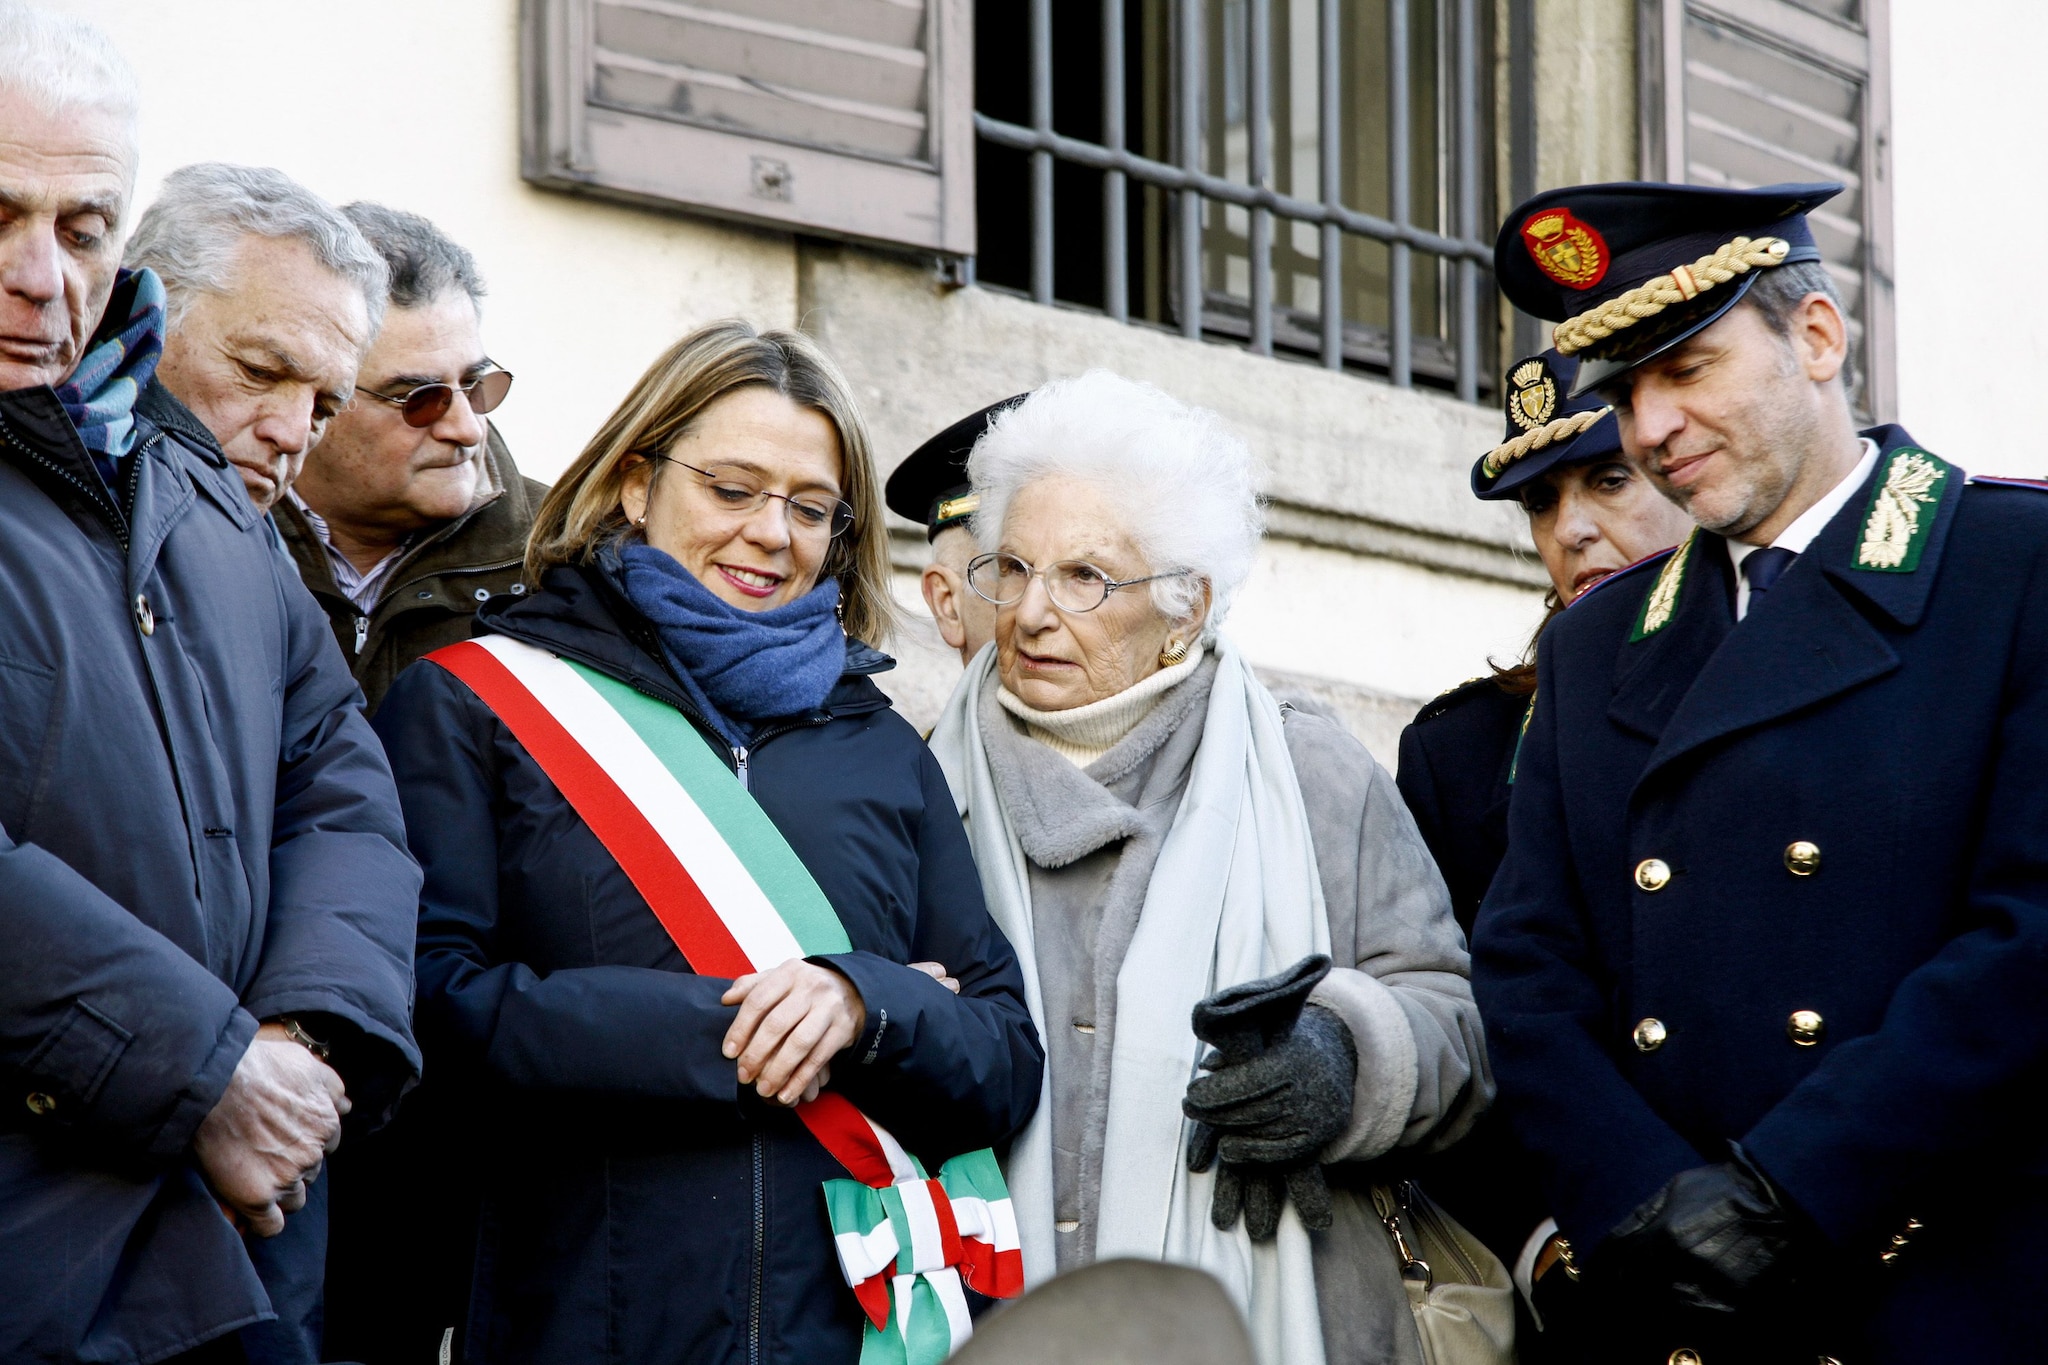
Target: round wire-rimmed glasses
(1074, 585)
(732, 490)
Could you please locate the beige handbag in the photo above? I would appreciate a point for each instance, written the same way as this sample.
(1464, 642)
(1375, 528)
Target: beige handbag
(1463, 1300)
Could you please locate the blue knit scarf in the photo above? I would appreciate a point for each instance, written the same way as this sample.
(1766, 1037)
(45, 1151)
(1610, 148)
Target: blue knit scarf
(119, 361)
(740, 667)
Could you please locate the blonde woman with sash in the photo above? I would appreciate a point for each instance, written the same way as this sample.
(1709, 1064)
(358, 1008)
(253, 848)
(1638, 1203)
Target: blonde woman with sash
(1179, 858)
(701, 941)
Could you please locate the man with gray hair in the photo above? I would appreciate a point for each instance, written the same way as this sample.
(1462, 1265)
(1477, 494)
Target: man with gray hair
(412, 512)
(206, 905)
(272, 296)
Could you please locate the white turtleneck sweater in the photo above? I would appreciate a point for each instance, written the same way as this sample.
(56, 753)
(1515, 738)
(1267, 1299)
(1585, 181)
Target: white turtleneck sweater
(1082, 734)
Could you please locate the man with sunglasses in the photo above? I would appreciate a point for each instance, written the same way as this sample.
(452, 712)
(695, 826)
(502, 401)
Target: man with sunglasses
(411, 512)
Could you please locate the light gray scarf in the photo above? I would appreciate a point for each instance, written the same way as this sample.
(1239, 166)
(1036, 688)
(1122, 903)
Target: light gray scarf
(1234, 895)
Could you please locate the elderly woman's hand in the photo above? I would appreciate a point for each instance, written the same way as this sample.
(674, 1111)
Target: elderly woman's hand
(793, 1020)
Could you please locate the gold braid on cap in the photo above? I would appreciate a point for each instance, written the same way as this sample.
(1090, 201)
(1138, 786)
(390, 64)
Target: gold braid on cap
(1683, 284)
(1505, 454)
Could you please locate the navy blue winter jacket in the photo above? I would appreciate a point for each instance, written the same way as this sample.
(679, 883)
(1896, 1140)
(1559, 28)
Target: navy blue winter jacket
(637, 1204)
(197, 831)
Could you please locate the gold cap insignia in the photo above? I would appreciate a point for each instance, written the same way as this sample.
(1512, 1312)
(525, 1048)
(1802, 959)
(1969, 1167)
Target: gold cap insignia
(952, 509)
(1566, 248)
(1532, 400)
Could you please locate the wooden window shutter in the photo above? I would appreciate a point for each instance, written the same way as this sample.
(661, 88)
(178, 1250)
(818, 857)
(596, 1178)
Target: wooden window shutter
(846, 118)
(1756, 92)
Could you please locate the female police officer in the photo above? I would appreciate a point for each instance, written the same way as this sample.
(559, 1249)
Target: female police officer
(1590, 513)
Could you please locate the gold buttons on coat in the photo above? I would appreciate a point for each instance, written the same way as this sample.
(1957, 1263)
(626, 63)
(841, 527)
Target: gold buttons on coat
(1650, 1035)
(145, 619)
(1802, 858)
(41, 1105)
(1804, 1027)
(1653, 874)
(1682, 1356)
(1899, 1241)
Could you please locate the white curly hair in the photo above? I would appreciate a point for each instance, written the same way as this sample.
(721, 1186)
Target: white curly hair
(1189, 486)
(61, 63)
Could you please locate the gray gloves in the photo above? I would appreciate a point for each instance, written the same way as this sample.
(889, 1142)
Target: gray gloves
(1278, 1091)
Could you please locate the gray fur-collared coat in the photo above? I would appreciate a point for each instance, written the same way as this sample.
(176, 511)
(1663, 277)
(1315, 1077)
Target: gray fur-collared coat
(1090, 839)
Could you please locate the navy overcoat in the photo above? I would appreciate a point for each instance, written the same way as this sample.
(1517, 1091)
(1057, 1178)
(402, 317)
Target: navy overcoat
(197, 831)
(638, 1205)
(1785, 881)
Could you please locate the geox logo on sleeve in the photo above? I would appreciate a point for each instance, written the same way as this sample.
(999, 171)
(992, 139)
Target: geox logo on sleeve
(1662, 602)
(1901, 513)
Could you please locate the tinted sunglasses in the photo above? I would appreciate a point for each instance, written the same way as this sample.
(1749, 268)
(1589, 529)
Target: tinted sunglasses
(429, 403)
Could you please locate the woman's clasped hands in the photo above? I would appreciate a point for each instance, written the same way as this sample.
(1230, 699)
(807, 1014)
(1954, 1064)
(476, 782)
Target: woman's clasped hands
(793, 1020)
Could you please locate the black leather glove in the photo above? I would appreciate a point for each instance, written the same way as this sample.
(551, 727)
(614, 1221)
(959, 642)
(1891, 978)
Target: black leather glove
(1718, 1240)
(1279, 1091)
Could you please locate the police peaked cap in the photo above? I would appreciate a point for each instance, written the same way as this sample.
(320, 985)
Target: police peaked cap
(1567, 253)
(931, 484)
(1547, 427)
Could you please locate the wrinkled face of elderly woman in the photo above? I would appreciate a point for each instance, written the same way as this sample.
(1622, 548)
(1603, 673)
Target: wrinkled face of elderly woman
(707, 510)
(1052, 658)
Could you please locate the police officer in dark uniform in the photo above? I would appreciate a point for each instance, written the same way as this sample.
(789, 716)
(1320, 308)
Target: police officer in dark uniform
(931, 487)
(1762, 969)
(1590, 514)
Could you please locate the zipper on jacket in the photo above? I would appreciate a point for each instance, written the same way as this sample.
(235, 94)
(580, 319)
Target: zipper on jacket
(362, 631)
(760, 1251)
(739, 765)
(97, 495)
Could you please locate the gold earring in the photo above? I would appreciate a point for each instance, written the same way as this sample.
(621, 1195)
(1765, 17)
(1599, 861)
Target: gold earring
(1175, 653)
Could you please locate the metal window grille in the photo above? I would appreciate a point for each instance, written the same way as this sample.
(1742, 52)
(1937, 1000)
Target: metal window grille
(1306, 176)
(1753, 92)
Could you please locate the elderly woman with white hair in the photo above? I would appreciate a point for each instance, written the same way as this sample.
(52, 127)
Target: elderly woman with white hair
(1178, 858)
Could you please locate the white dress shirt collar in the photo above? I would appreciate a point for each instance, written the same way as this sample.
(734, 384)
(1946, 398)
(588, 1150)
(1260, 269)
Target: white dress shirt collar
(1806, 525)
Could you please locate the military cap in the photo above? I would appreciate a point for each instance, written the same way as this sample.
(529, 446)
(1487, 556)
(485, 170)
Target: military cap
(931, 484)
(1547, 426)
(1629, 270)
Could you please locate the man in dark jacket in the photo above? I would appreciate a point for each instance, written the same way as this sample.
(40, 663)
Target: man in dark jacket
(410, 513)
(1762, 968)
(206, 905)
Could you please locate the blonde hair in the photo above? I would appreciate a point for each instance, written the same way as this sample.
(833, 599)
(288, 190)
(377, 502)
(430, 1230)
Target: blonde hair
(581, 513)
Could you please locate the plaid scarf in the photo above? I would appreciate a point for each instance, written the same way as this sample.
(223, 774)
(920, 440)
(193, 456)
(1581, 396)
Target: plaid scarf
(100, 395)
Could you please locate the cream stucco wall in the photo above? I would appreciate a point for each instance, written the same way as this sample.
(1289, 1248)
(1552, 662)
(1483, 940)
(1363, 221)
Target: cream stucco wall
(1383, 581)
(1969, 200)
(1586, 91)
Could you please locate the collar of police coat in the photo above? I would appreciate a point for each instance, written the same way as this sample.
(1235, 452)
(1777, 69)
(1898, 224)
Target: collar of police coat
(1901, 521)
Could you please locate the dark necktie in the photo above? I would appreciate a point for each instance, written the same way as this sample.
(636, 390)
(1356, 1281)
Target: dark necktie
(1764, 567)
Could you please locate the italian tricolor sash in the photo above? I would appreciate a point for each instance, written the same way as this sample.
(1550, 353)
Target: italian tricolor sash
(735, 899)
